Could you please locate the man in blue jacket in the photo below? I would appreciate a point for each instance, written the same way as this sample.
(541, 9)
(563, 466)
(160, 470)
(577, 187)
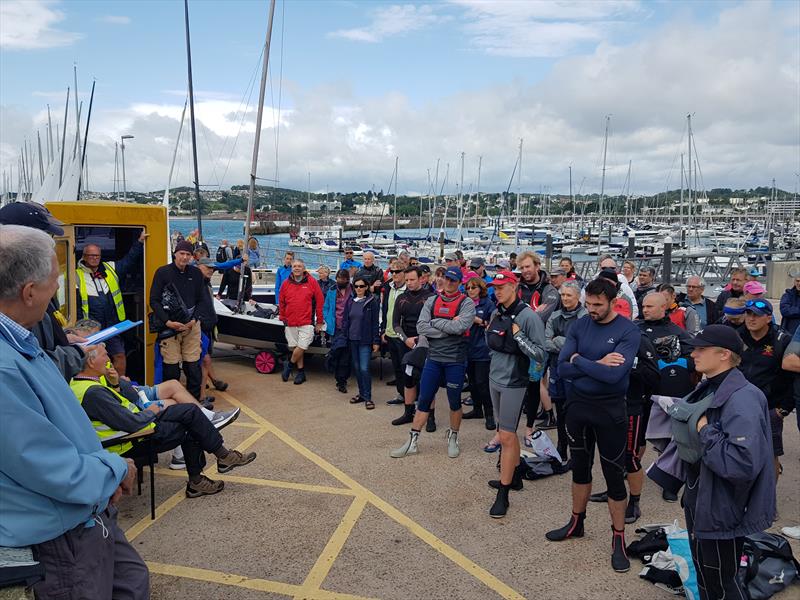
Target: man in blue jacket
(790, 306)
(58, 486)
(730, 491)
(283, 272)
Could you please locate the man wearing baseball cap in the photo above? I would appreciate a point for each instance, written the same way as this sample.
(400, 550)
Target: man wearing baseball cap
(730, 490)
(60, 346)
(764, 346)
(444, 321)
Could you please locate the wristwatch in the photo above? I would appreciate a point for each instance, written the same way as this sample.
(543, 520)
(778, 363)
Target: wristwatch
(783, 412)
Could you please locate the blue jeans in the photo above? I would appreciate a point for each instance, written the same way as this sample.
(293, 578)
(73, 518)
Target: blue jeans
(432, 374)
(360, 355)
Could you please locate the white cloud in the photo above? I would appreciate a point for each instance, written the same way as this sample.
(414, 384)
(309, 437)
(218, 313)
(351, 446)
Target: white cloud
(541, 29)
(391, 21)
(29, 25)
(744, 97)
(115, 19)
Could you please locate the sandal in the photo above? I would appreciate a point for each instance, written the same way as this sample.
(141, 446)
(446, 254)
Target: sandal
(356, 399)
(492, 446)
(369, 404)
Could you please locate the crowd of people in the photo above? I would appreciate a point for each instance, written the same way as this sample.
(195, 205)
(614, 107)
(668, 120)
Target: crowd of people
(598, 360)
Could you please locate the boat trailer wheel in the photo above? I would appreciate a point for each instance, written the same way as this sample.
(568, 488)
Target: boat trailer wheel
(266, 362)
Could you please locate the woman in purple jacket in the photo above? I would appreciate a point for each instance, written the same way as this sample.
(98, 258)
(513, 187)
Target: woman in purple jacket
(361, 325)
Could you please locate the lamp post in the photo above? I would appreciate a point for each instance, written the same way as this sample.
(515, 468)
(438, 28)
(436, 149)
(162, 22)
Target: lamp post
(124, 187)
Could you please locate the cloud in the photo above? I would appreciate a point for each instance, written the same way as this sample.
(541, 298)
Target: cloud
(115, 19)
(744, 98)
(29, 25)
(391, 21)
(541, 29)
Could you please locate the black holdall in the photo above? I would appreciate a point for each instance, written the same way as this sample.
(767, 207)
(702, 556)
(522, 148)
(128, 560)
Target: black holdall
(768, 565)
(175, 307)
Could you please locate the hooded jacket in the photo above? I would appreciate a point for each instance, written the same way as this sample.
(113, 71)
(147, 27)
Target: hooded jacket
(300, 301)
(790, 309)
(735, 493)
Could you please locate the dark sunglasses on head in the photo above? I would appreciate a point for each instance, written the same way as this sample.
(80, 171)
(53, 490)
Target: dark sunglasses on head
(500, 277)
(359, 286)
(396, 271)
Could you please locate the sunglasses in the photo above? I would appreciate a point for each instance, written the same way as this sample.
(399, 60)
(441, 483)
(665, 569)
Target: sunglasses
(759, 304)
(360, 286)
(396, 271)
(501, 277)
(472, 287)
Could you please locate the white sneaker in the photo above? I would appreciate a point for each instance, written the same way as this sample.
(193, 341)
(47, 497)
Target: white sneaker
(177, 464)
(223, 418)
(453, 449)
(410, 447)
(792, 532)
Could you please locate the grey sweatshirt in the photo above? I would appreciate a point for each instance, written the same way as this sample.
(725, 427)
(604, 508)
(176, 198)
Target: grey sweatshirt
(511, 370)
(446, 336)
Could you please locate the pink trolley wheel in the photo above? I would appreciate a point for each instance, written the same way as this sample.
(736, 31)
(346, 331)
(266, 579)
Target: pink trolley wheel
(266, 362)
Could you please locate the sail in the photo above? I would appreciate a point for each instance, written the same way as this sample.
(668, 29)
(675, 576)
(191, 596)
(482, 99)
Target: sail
(49, 188)
(69, 186)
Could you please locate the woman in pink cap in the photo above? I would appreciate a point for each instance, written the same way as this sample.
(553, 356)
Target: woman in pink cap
(753, 290)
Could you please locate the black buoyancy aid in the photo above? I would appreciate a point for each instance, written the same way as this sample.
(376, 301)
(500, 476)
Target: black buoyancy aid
(448, 309)
(499, 335)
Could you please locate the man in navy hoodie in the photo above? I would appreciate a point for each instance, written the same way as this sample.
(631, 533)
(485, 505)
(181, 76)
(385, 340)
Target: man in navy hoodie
(595, 364)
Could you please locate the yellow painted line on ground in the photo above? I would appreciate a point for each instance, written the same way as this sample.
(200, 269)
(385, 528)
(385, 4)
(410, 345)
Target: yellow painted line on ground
(246, 410)
(261, 585)
(161, 510)
(249, 425)
(429, 538)
(334, 546)
(288, 485)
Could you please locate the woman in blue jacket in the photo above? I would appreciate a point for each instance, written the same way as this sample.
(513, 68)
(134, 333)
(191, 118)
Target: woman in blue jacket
(361, 325)
(478, 358)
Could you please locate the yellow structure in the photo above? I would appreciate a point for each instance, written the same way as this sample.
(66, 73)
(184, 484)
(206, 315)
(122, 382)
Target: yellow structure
(79, 218)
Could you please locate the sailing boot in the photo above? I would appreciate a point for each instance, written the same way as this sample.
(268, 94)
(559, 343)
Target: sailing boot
(619, 558)
(407, 416)
(430, 426)
(516, 480)
(410, 447)
(475, 413)
(573, 529)
(500, 506)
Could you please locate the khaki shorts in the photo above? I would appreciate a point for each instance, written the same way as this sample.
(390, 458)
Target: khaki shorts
(183, 347)
(300, 337)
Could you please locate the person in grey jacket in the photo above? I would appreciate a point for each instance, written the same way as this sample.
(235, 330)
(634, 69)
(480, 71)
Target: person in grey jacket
(730, 491)
(515, 336)
(555, 334)
(444, 321)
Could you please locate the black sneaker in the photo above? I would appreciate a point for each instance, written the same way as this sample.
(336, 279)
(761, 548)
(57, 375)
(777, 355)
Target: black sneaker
(500, 506)
(619, 559)
(473, 414)
(287, 370)
(599, 497)
(300, 377)
(669, 496)
(573, 529)
(341, 387)
(407, 416)
(632, 512)
(396, 400)
(491, 425)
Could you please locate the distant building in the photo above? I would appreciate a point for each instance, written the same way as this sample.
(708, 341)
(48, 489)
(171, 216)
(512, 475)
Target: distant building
(324, 205)
(373, 210)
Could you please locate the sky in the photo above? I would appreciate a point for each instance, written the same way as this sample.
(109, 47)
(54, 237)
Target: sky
(356, 86)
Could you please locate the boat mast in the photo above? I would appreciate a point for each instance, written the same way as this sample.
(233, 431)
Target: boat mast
(85, 141)
(254, 164)
(194, 134)
(602, 186)
(165, 201)
(460, 210)
(689, 170)
(478, 195)
(394, 224)
(519, 186)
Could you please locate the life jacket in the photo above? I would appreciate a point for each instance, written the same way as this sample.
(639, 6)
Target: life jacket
(622, 306)
(678, 316)
(443, 309)
(499, 335)
(112, 280)
(80, 387)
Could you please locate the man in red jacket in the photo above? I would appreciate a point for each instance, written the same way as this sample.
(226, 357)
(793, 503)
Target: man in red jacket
(300, 297)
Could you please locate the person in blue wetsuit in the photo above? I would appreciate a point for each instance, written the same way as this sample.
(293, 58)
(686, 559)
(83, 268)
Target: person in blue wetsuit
(595, 364)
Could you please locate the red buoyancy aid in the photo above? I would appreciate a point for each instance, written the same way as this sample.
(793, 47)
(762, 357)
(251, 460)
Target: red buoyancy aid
(678, 316)
(448, 309)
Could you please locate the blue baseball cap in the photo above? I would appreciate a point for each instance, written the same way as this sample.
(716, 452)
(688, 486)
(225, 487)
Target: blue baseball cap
(758, 307)
(30, 214)
(453, 273)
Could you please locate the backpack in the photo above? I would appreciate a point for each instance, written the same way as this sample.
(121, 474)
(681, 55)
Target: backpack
(499, 336)
(768, 565)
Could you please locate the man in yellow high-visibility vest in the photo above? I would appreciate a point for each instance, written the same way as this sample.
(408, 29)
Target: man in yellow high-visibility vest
(99, 293)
